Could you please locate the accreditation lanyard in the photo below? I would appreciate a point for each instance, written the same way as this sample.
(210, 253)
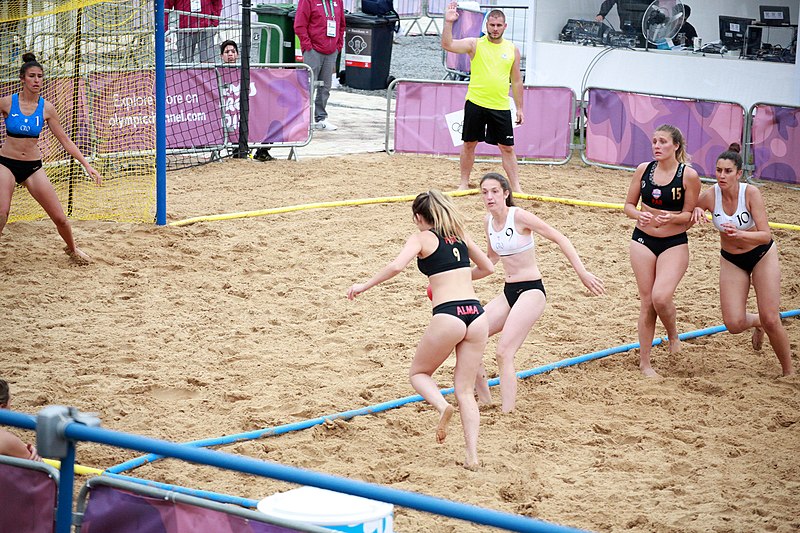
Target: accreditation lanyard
(330, 18)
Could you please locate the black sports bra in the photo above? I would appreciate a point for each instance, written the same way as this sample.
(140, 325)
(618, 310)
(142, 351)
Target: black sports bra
(451, 254)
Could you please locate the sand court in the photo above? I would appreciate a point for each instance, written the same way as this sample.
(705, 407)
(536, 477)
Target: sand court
(218, 328)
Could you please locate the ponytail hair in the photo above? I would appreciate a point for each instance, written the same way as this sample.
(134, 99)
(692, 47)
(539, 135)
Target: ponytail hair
(733, 154)
(28, 61)
(677, 138)
(499, 178)
(440, 212)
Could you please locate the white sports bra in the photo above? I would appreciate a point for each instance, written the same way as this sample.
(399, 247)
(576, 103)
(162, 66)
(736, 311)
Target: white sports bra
(508, 241)
(741, 219)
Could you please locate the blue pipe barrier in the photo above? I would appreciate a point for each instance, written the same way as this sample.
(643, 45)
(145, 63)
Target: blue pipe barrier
(79, 432)
(377, 408)
(205, 494)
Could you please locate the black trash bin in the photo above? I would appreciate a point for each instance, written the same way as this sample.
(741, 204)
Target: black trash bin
(282, 15)
(368, 50)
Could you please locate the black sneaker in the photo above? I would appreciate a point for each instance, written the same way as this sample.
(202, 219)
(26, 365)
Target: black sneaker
(262, 154)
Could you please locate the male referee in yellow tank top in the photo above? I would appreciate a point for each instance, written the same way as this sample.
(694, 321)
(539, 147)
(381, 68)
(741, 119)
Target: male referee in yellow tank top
(494, 65)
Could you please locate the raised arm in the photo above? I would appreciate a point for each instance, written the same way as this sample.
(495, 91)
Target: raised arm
(410, 250)
(516, 85)
(457, 46)
(589, 280)
(51, 117)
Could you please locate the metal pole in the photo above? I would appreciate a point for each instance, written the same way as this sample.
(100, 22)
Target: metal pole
(76, 73)
(65, 486)
(244, 95)
(161, 118)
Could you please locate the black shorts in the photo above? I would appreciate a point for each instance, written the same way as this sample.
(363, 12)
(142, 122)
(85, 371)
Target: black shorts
(492, 126)
(659, 245)
(747, 261)
(466, 310)
(513, 291)
(21, 170)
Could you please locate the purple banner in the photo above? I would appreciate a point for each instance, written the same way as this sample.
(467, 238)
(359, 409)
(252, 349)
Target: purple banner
(408, 8)
(776, 143)
(194, 117)
(436, 7)
(28, 500)
(620, 127)
(428, 121)
(124, 110)
(115, 511)
(280, 104)
(469, 24)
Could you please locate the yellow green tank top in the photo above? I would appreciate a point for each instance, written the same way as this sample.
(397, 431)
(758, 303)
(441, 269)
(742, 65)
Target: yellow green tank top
(490, 74)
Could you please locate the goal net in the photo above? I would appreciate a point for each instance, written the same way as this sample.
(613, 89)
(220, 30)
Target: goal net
(99, 67)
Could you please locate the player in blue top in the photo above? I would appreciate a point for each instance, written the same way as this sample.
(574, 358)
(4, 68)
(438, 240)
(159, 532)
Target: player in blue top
(443, 251)
(25, 115)
(509, 233)
(748, 256)
(659, 247)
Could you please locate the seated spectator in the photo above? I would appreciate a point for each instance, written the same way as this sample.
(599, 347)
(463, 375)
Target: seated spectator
(10, 444)
(229, 51)
(687, 29)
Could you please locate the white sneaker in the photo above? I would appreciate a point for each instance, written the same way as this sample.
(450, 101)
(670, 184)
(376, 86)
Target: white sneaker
(325, 125)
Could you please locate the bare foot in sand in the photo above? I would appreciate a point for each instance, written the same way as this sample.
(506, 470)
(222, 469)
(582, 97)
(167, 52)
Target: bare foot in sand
(444, 420)
(472, 465)
(78, 256)
(758, 338)
(648, 371)
(674, 346)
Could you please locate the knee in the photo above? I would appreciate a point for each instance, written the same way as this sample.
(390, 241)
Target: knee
(60, 219)
(504, 356)
(469, 147)
(506, 149)
(737, 324)
(770, 321)
(661, 302)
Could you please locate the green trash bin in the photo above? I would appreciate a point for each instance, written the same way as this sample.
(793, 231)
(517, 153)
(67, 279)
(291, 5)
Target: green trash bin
(282, 15)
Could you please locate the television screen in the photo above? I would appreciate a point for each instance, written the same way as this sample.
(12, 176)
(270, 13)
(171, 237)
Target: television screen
(732, 30)
(774, 15)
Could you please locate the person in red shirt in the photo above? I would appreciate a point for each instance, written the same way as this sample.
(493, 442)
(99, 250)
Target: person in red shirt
(190, 38)
(320, 24)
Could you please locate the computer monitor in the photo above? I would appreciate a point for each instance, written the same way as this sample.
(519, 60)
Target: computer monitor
(774, 15)
(732, 30)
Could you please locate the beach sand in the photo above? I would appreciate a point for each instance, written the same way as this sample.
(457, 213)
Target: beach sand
(217, 328)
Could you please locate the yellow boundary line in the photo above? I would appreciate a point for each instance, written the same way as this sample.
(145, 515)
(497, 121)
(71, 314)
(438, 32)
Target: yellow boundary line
(409, 198)
(79, 469)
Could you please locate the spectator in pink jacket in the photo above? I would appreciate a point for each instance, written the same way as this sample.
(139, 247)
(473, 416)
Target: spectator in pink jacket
(196, 32)
(320, 24)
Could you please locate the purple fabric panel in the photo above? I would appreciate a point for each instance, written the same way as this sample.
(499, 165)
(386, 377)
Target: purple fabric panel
(124, 110)
(408, 8)
(469, 24)
(776, 143)
(421, 127)
(620, 127)
(547, 130)
(193, 110)
(437, 7)
(279, 104)
(114, 511)
(27, 500)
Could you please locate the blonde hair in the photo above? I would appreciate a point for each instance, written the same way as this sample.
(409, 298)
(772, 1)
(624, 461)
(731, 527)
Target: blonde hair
(677, 138)
(440, 212)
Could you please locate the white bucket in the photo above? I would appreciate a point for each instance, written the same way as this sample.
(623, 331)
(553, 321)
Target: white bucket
(332, 510)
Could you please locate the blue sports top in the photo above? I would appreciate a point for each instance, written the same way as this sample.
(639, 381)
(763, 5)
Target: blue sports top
(21, 125)
(451, 254)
